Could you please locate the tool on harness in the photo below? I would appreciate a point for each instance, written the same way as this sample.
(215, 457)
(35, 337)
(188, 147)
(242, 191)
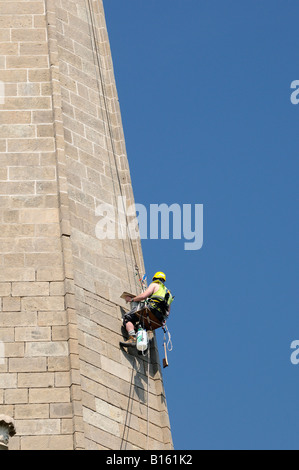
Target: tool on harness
(165, 360)
(167, 347)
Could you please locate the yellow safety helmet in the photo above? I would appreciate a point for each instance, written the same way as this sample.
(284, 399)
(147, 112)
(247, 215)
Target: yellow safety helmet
(160, 276)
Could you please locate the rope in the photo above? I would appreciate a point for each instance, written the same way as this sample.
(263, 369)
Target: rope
(148, 371)
(130, 401)
(97, 56)
(97, 59)
(169, 342)
(141, 279)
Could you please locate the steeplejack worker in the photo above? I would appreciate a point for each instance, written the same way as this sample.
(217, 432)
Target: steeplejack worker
(158, 299)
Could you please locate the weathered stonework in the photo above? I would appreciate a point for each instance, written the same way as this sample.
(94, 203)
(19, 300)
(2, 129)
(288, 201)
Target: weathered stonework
(63, 377)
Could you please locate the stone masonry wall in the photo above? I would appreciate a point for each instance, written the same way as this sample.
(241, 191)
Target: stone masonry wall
(63, 376)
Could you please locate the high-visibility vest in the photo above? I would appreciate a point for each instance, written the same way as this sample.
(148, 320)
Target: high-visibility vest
(158, 299)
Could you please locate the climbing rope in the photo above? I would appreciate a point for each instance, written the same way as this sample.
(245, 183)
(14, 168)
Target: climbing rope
(169, 342)
(101, 86)
(138, 277)
(130, 403)
(141, 279)
(147, 416)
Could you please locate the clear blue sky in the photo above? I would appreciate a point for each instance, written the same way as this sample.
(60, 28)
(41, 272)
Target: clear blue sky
(204, 89)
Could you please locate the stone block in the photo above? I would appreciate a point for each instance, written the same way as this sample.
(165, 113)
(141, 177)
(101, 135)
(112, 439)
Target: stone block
(17, 131)
(61, 410)
(29, 411)
(21, 8)
(56, 288)
(37, 333)
(39, 216)
(5, 289)
(27, 289)
(50, 274)
(9, 48)
(11, 304)
(49, 348)
(59, 364)
(60, 333)
(101, 422)
(28, 35)
(4, 35)
(14, 396)
(17, 274)
(12, 319)
(63, 379)
(14, 349)
(15, 117)
(27, 62)
(52, 395)
(35, 427)
(8, 380)
(35, 48)
(28, 103)
(52, 318)
(36, 364)
(33, 173)
(16, 21)
(50, 442)
(116, 369)
(42, 303)
(7, 334)
(35, 380)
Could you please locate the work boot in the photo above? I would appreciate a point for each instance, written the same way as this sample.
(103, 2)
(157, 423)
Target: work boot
(131, 342)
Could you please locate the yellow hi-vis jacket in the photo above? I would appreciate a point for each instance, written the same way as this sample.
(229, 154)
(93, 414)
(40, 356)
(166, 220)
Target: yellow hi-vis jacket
(160, 300)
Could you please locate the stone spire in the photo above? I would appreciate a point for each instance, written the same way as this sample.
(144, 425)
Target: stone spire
(63, 377)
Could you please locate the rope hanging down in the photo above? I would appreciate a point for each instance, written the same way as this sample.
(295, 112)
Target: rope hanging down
(97, 58)
(101, 86)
